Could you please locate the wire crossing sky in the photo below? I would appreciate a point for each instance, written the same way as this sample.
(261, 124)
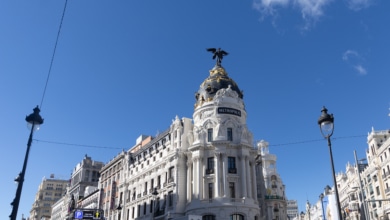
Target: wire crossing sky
(54, 52)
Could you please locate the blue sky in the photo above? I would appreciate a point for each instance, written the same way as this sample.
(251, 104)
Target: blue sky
(126, 68)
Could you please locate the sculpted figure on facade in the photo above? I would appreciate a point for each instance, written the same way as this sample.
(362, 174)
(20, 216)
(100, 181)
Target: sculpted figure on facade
(190, 137)
(196, 134)
(219, 127)
(176, 123)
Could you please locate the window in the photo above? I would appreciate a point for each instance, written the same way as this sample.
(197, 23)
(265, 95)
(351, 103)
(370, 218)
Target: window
(158, 182)
(232, 165)
(208, 217)
(171, 174)
(151, 206)
(144, 208)
(170, 198)
(209, 135)
(211, 190)
(377, 191)
(157, 207)
(229, 134)
(232, 190)
(210, 165)
(236, 217)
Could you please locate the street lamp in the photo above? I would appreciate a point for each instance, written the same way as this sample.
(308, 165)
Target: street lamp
(325, 121)
(322, 205)
(34, 120)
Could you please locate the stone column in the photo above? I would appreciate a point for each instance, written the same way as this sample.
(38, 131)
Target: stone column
(243, 177)
(200, 177)
(224, 166)
(254, 181)
(196, 177)
(189, 180)
(216, 174)
(248, 177)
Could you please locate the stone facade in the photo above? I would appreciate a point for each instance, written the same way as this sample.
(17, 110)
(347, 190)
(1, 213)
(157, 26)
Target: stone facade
(49, 191)
(206, 168)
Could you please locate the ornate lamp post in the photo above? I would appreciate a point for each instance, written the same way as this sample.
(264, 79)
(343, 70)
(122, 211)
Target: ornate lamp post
(322, 205)
(35, 120)
(325, 121)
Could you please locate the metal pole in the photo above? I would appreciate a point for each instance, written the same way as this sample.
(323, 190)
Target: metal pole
(20, 178)
(322, 205)
(365, 206)
(334, 179)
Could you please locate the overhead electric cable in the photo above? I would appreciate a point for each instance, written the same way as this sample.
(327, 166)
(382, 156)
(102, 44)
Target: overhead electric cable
(271, 145)
(54, 52)
(78, 145)
(309, 141)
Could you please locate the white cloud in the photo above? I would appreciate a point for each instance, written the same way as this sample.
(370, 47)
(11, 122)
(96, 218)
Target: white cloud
(353, 59)
(361, 70)
(269, 7)
(311, 10)
(357, 5)
(347, 54)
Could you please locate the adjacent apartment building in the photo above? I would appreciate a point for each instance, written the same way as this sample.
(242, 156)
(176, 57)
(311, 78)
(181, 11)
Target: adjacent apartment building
(49, 191)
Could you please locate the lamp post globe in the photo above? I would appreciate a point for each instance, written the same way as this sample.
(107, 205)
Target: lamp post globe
(326, 123)
(34, 120)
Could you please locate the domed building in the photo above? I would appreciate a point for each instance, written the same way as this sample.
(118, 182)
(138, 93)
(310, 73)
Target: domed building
(205, 168)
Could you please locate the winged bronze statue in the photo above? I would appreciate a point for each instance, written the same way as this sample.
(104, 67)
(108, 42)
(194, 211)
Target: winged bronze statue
(218, 53)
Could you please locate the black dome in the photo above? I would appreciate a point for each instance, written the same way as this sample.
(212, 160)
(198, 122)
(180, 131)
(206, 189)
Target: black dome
(217, 80)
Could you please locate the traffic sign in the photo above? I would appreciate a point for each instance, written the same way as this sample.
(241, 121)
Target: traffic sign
(78, 214)
(90, 214)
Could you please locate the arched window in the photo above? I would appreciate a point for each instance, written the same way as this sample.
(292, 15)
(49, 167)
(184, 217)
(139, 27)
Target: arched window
(208, 217)
(236, 217)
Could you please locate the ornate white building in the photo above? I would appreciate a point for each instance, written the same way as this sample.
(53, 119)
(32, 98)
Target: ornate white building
(275, 197)
(206, 168)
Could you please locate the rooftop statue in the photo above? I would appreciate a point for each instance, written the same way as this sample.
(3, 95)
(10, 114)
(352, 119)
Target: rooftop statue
(218, 53)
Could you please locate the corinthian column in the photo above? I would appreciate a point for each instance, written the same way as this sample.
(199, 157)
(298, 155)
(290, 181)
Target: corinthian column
(248, 178)
(254, 181)
(189, 180)
(196, 177)
(243, 172)
(200, 180)
(216, 174)
(225, 186)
